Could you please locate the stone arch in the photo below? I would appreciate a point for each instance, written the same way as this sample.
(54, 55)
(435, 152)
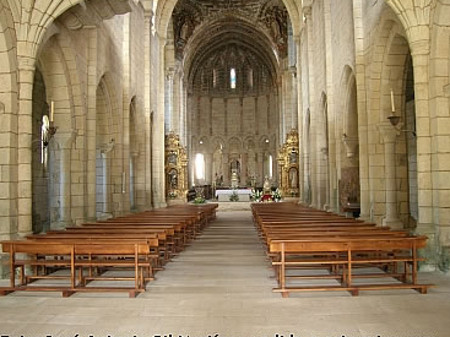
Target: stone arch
(387, 93)
(348, 167)
(56, 75)
(165, 8)
(107, 136)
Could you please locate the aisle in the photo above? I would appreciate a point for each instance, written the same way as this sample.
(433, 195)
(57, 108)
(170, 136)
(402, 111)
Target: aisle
(226, 260)
(221, 286)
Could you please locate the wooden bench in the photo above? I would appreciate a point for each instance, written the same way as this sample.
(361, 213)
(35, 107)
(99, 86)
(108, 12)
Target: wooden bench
(300, 239)
(142, 242)
(346, 252)
(74, 256)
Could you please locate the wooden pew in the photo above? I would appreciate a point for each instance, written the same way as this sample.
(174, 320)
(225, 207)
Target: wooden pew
(298, 238)
(346, 252)
(76, 255)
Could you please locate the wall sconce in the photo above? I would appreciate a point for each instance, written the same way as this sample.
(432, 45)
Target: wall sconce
(51, 128)
(394, 119)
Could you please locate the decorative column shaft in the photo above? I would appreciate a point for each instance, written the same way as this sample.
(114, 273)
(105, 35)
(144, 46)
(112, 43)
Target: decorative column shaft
(65, 141)
(158, 134)
(208, 168)
(24, 206)
(390, 134)
(105, 151)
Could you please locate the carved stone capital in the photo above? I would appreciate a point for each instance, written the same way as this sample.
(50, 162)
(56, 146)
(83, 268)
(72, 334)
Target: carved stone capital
(351, 145)
(105, 148)
(65, 139)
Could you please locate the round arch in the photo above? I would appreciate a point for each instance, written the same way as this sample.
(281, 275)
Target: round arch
(165, 8)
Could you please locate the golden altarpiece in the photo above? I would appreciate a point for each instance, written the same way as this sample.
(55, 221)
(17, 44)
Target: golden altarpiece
(176, 166)
(288, 163)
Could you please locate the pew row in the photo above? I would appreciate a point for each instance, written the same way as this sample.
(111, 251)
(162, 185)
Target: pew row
(313, 250)
(85, 258)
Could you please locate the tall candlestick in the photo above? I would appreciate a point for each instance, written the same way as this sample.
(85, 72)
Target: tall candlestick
(392, 101)
(52, 111)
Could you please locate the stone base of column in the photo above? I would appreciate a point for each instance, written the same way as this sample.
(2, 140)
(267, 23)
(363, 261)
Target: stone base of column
(60, 225)
(104, 216)
(160, 204)
(393, 223)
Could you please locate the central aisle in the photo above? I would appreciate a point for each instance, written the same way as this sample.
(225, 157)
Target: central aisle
(222, 286)
(227, 259)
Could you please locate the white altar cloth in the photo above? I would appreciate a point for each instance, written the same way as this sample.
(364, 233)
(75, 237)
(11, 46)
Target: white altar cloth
(224, 195)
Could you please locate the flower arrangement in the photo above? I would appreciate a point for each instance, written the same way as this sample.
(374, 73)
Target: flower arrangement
(276, 195)
(172, 194)
(199, 200)
(256, 195)
(234, 196)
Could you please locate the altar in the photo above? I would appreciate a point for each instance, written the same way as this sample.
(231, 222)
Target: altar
(224, 195)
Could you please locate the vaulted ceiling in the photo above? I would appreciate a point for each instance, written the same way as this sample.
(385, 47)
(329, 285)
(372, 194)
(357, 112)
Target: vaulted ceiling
(205, 29)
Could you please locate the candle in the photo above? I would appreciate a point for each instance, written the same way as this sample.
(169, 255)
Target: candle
(392, 101)
(52, 111)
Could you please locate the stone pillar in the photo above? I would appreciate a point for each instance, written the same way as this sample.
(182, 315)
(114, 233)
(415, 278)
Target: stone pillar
(64, 141)
(24, 205)
(363, 118)
(260, 167)
(389, 134)
(225, 169)
(148, 80)
(169, 100)
(244, 177)
(158, 135)
(300, 116)
(105, 150)
(91, 125)
(133, 163)
(208, 168)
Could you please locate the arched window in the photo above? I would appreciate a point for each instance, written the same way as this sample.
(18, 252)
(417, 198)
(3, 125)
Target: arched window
(200, 166)
(250, 78)
(233, 78)
(214, 78)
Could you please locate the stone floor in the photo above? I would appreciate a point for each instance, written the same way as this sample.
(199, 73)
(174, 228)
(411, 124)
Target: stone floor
(221, 286)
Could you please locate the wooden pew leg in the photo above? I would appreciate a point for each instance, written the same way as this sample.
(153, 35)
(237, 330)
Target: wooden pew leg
(67, 293)
(6, 291)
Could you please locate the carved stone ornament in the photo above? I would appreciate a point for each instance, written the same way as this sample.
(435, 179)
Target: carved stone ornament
(288, 162)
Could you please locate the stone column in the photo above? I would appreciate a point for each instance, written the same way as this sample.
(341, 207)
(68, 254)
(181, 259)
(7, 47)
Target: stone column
(91, 125)
(260, 167)
(169, 101)
(244, 177)
(225, 169)
(24, 177)
(300, 115)
(389, 134)
(208, 168)
(148, 113)
(158, 135)
(133, 162)
(105, 150)
(64, 141)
